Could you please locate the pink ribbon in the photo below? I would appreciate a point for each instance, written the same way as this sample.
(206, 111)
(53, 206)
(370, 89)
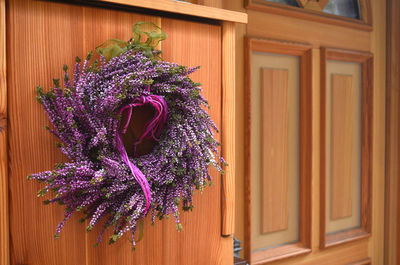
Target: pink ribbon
(152, 129)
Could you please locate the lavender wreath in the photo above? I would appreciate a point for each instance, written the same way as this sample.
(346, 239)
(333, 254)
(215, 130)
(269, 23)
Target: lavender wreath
(91, 114)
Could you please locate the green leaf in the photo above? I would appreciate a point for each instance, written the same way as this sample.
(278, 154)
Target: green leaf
(153, 32)
(111, 48)
(140, 225)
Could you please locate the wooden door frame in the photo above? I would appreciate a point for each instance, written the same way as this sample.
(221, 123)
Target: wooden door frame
(392, 161)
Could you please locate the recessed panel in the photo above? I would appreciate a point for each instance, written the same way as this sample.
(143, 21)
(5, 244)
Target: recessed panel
(275, 123)
(275, 147)
(342, 150)
(343, 145)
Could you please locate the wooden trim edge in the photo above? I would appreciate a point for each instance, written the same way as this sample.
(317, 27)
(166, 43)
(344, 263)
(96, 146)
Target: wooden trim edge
(228, 127)
(392, 154)
(184, 9)
(4, 208)
(345, 237)
(366, 261)
(279, 253)
(247, 151)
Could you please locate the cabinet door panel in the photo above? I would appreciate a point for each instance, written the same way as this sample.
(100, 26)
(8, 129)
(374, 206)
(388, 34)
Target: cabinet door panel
(41, 38)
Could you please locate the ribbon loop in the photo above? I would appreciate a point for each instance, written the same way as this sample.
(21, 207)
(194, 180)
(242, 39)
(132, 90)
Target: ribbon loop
(114, 47)
(152, 130)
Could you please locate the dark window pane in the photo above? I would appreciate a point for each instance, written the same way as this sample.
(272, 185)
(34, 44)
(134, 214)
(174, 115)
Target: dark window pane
(344, 8)
(286, 2)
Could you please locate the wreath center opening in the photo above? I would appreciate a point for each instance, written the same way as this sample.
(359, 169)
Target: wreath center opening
(141, 116)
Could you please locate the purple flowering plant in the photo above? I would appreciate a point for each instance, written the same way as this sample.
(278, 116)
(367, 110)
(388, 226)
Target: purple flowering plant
(91, 112)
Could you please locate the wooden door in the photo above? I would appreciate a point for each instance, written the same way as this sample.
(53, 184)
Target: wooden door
(41, 37)
(314, 134)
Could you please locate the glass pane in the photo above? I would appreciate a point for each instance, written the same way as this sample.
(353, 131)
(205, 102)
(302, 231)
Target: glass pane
(344, 8)
(286, 2)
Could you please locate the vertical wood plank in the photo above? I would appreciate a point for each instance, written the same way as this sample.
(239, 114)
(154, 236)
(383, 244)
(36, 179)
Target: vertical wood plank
(248, 203)
(228, 127)
(4, 210)
(192, 44)
(41, 37)
(342, 146)
(275, 150)
(392, 149)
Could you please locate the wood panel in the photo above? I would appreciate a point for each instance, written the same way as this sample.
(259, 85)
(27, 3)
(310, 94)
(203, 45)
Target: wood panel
(275, 123)
(228, 127)
(366, 146)
(4, 212)
(312, 11)
(305, 144)
(162, 244)
(34, 57)
(392, 161)
(213, 3)
(341, 255)
(274, 26)
(342, 146)
(261, 61)
(35, 32)
(377, 161)
(366, 261)
(186, 9)
(354, 70)
(267, 25)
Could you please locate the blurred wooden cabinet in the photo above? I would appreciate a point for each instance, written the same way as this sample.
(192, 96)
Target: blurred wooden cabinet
(38, 37)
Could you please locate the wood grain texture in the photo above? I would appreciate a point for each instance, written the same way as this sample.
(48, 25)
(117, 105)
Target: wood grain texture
(212, 3)
(162, 244)
(378, 71)
(280, 27)
(275, 124)
(262, 61)
(4, 208)
(334, 256)
(312, 12)
(305, 138)
(366, 261)
(342, 146)
(34, 57)
(247, 244)
(392, 161)
(366, 146)
(285, 28)
(177, 7)
(36, 31)
(281, 253)
(228, 127)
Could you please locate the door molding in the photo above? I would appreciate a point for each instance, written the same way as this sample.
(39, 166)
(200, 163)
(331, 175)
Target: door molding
(364, 230)
(303, 245)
